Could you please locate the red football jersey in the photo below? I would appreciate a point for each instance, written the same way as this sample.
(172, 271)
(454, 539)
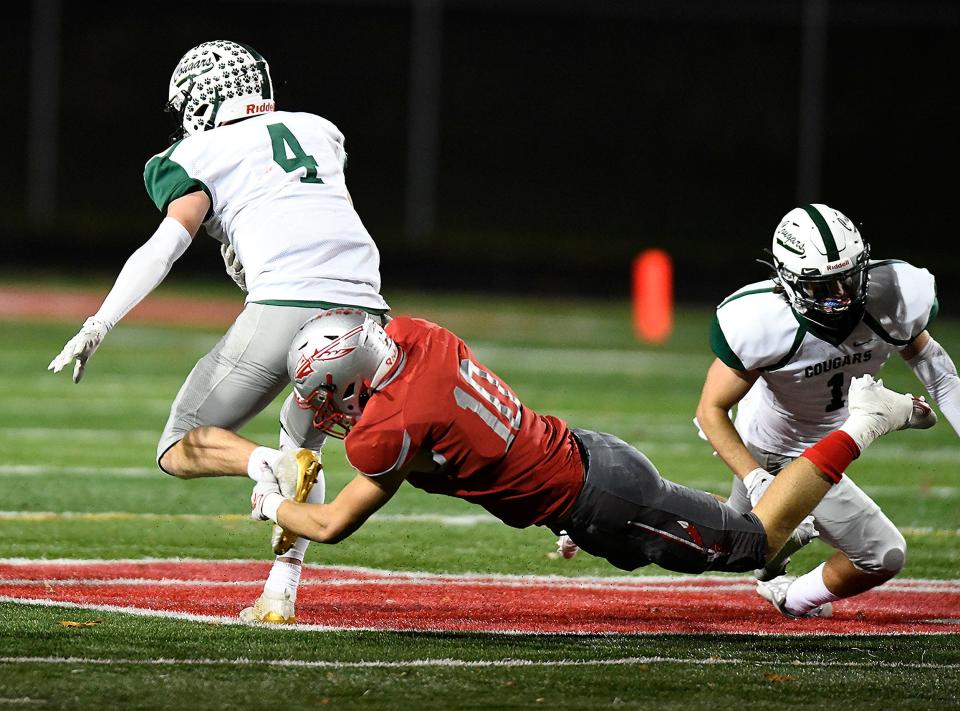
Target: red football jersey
(522, 467)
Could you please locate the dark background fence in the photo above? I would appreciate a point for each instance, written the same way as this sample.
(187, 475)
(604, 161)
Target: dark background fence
(515, 146)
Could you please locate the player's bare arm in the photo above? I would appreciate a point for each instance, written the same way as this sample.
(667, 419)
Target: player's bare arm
(916, 345)
(723, 388)
(789, 499)
(792, 495)
(333, 522)
(190, 210)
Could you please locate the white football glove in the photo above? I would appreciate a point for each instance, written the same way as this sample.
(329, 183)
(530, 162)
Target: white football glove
(234, 268)
(265, 500)
(82, 347)
(757, 482)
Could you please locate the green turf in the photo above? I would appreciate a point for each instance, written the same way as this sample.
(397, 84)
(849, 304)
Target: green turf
(679, 672)
(89, 449)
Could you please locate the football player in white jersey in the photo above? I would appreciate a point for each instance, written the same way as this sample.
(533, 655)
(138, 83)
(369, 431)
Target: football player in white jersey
(269, 186)
(786, 350)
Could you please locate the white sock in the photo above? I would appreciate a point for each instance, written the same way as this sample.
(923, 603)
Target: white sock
(283, 578)
(808, 591)
(262, 463)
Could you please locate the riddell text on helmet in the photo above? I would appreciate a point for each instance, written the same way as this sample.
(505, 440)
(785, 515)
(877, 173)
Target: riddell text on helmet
(262, 107)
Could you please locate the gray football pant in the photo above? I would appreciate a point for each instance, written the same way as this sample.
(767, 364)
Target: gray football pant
(241, 375)
(630, 515)
(846, 519)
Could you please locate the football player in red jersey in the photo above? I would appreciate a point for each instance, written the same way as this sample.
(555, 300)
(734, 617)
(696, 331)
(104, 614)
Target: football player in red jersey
(413, 403)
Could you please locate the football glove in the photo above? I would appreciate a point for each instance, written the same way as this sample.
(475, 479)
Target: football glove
(265, 500)
(757, 482)
(233, 266)
(82, 347)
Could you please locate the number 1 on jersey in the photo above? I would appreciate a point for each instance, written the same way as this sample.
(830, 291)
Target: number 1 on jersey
(836, 392)
(502, 411)
(284, 144)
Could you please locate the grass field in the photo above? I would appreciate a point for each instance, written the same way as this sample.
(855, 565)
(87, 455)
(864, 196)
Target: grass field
(78, 482)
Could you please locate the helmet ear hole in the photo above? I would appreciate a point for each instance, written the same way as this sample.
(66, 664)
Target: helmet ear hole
(339, 351)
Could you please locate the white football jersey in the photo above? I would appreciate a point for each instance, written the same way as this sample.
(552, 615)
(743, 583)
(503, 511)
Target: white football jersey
(801, 394)
(278, 195)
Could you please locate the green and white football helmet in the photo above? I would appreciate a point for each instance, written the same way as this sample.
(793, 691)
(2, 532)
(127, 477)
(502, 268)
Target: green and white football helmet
(216, 82)
(820, 261)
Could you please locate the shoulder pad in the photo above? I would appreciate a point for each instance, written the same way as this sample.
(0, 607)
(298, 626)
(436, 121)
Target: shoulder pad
(754, 328)
(901, 300)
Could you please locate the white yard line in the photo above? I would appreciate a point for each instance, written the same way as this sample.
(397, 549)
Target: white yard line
(938, 492)
(440, 580)
(943, 492)
(565, 361)
(55, 434)
(466, 520)
(362, 572)
(659, 435)
(58, 470)
(451, 663)
(456, 520)
(435, 581)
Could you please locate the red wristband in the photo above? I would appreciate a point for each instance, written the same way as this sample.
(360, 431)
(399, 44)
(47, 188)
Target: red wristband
(833, 454)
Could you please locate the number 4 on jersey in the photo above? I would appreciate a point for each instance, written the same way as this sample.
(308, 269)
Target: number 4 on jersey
(286, 144)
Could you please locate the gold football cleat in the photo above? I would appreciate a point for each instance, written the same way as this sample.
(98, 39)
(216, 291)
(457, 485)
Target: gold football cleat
(271, 609)
(297, 472)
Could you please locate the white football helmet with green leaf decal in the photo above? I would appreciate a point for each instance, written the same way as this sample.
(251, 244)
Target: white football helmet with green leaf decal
(216, 82)
(820, 260)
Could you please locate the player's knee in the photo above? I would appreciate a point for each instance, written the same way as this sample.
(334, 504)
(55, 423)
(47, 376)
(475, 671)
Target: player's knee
(894, 559)
(169, 461)
(887, 558)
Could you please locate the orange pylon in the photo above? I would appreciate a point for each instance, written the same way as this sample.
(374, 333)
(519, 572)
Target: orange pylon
(653, 296)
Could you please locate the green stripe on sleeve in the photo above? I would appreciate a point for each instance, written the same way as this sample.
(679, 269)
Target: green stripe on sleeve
(765, 290)
(722, 349)
(166, 180)
(833, 254)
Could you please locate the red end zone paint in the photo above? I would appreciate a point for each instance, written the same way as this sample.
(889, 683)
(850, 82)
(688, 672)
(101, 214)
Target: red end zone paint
(351, 598)
(58, 305)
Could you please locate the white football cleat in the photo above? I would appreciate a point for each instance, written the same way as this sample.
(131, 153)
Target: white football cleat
(775, 592)
(296, 471)
(566, 547)
(271, 609)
